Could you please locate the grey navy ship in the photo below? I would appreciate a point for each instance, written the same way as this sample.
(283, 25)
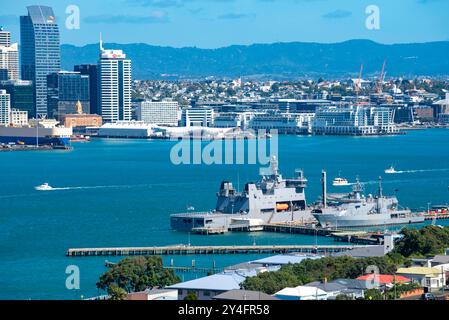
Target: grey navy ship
(271, 200)
(356, 210)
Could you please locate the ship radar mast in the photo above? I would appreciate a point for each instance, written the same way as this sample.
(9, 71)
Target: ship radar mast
(274, 165)
(380, 187)
(358, 186)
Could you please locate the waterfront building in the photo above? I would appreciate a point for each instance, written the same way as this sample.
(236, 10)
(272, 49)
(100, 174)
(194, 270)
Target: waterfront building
(233, 120)
(197, 117)
(443, 118)
(164, 113)
(441, 107)
(423, 113)
(21, 94)
(40, 51)
(114, 71)
(284, 123)
(5, 108)
(354, 120)
(18, 118)
(81, 120)
(65, 89)
(91, 70)
(127, 129)
(154, 294)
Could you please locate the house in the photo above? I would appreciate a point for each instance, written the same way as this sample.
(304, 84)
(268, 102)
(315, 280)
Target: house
(431, 278)
(284, 259)
(354, 288)
(301, 293)
(438, 260)
(208, 287)
(154, 294)
(243, 295)
(332, 289)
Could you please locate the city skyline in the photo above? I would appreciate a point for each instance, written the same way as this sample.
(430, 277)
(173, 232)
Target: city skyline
(220, 23)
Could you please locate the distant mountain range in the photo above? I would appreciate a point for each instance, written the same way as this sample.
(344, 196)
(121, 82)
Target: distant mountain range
(276, 61)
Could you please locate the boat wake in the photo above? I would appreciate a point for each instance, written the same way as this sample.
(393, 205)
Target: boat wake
(109, 187)
(419, 171)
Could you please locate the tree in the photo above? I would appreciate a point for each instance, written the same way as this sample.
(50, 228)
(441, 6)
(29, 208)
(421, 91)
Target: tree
(343, 297)
(117, 293)
(137, 274)
(191, 297)
(429, 240)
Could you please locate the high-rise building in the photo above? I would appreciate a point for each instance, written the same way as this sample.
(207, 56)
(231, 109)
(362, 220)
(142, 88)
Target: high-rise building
(40, 51)
(5, 108)
(9, 57)
(64, 90)
(5, 37)
(158, 112)
(114, 94)
(91, 70)
(21, 95)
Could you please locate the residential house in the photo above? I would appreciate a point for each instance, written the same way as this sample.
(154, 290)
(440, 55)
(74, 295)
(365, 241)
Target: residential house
(301, 293)
(431, 278)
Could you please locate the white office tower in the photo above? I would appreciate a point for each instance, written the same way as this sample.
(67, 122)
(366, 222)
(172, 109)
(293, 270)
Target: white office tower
(114, 72)
(5, 108)
(5, 38)
(9, 57)
(163, 113)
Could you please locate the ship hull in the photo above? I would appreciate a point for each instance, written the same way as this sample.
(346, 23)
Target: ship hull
(333, 221)
(32, 140)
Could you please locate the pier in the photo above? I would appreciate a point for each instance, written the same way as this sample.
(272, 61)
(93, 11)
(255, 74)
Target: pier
(207, 250)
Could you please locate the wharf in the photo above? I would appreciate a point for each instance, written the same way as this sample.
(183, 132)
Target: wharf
(208, 250)
(443, 216)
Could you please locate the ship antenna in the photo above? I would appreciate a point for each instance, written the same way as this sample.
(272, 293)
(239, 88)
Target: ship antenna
(380, 188)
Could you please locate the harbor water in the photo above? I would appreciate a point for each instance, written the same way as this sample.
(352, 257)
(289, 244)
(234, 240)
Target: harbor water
(120, 193)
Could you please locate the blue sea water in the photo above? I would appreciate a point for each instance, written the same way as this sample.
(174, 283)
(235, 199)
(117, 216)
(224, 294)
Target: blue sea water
(121, 192)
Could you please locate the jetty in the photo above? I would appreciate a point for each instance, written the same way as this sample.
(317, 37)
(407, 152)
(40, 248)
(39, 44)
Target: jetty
(208, 250)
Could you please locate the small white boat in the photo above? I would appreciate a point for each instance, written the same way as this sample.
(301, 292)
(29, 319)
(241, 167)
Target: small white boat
(340, 182)
(190, 208)
(44, 187)
(391, 170)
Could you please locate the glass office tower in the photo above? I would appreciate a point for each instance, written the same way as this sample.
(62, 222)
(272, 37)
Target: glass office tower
(40, 51)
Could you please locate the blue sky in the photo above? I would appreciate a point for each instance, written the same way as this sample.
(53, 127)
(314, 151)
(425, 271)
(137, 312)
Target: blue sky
(217, 23)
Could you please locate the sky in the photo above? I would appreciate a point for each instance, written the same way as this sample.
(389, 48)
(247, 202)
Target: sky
(219, 23)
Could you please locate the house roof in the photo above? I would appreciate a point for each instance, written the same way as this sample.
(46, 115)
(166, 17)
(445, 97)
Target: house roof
(440, 259)
(301, 291)
(218, 282)
(327, 287)
(284, 259)
(242, 295)
(352, 283)
(419, 271)
(384, 278)
(365, 252)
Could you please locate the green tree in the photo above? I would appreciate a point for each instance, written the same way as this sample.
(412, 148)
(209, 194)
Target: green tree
(137, 274)
(117, 293)
(429, 240)
(191, 297)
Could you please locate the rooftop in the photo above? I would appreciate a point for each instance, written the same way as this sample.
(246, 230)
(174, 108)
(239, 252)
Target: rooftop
(384, 278)
(243, 295)
(419, 271)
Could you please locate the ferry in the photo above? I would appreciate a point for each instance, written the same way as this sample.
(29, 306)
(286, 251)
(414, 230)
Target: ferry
(391, 170)
(340, 182)
(44, 187)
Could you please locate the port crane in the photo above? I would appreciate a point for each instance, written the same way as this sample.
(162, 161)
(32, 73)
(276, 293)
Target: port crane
(381, 78)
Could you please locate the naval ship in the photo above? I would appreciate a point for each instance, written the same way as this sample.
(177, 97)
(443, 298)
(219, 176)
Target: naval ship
(271, 200)
(356, 210)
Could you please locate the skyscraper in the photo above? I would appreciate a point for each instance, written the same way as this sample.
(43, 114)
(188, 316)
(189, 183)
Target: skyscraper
(91, 70)
(9, 57)
(5, 37)
(114, 72)
(40, 51)
(64, 90)
(21, 95)
(5, 108)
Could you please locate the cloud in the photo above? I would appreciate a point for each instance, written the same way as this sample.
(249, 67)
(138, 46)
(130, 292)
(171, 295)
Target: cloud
(153, 17)
(337, 14)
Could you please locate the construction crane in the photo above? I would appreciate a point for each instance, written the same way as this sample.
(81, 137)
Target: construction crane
(358, 85)
(381, 78)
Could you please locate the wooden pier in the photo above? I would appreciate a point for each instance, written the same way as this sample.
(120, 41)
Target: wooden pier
(208, 250)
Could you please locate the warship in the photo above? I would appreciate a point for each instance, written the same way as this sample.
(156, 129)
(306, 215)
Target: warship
(271, 200)
(356, 210)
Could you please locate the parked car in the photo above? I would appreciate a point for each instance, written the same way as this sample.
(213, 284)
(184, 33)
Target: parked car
(427, 296)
